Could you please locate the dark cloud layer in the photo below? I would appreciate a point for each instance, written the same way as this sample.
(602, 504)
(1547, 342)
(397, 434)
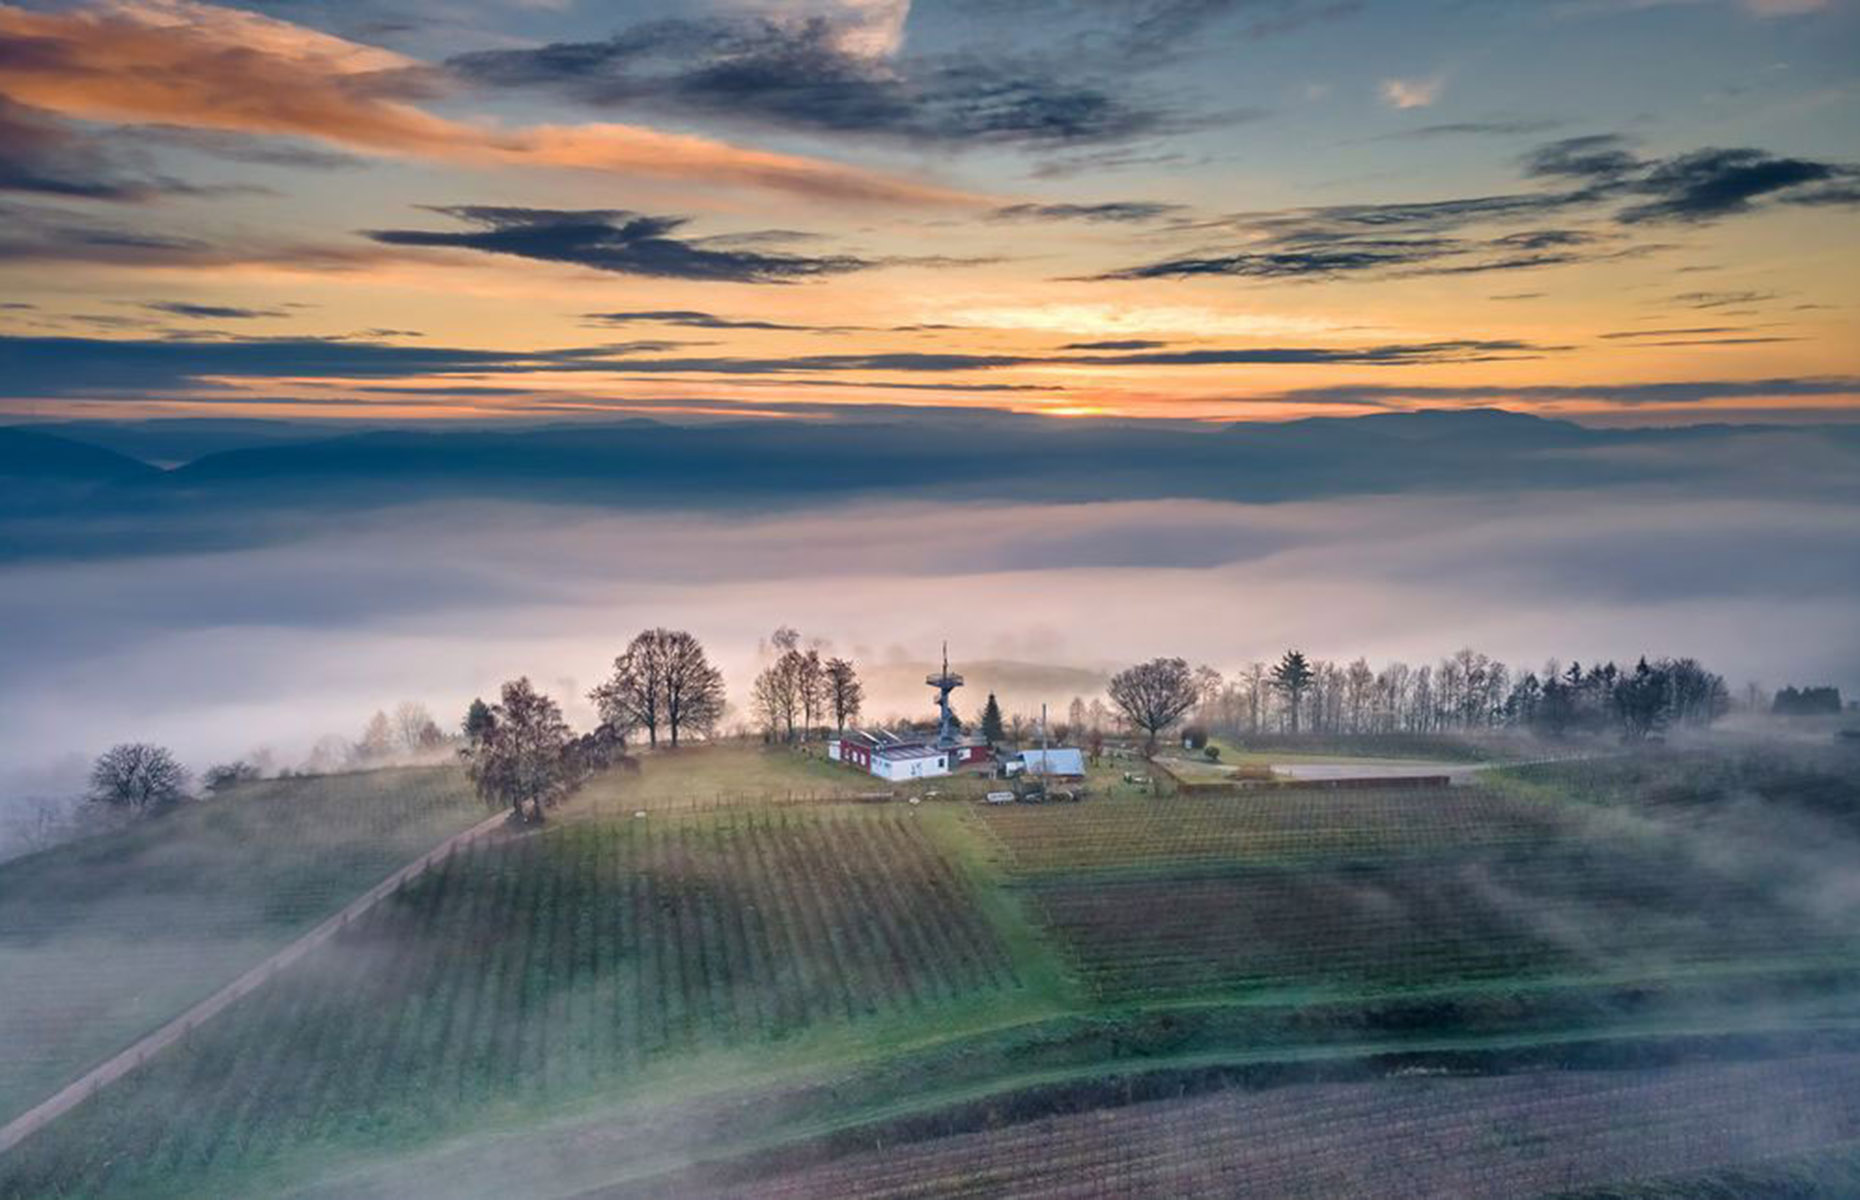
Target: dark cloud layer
(616, 240)
(43, 155)
(33, 366)
(1595, 176)
(800, 73)
(1121, 211)
(1317, 255)
(697, 320)
(213, 312)
(1703, 185)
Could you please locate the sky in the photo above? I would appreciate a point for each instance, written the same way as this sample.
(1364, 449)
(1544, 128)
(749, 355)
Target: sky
(1616, 211)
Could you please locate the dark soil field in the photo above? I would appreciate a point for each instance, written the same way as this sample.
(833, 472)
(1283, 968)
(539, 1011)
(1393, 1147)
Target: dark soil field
(1413, 1137)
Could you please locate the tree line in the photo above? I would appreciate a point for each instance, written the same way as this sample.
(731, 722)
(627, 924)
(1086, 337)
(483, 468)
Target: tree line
(520, 752)
(795, 695)
(1465, 691)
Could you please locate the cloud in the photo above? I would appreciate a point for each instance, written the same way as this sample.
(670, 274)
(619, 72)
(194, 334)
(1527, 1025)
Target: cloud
(799, 73)
(201, 66)
(243, 147)
(34, 234)
(1593, 172)
(1699, 186)
(702, 320)
(1721, 299)
(41, 154)
(1784, 8)
(1120, 211)
(616, 240)
(1319, 256)
(1708, 184)
(213, 312)
(1647, 333)
(1126, 344)
(48, 366)
(1412, 93)
(1596, 156)
(1496, 128)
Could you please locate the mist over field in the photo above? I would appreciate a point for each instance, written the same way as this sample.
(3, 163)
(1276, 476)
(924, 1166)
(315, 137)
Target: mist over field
(281, 643)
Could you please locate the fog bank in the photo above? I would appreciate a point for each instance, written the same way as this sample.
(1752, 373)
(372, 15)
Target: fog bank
(218, 653)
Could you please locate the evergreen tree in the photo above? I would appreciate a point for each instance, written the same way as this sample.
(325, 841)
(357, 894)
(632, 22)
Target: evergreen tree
(1291, 677)
(479, 721)
(992, 731)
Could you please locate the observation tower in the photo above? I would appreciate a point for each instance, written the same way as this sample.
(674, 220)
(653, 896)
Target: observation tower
(945, 682)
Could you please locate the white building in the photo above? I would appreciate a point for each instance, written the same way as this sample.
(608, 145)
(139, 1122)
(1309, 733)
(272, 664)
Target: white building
(1060, 762)
(896, 758)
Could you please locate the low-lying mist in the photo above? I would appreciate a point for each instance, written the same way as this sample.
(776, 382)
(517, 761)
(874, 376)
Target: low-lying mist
(216, 654)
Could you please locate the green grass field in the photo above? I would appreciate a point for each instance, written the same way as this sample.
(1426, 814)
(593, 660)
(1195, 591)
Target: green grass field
(764, 967)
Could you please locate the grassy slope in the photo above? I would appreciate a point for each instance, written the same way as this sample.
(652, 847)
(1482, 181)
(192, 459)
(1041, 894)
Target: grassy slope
(1048, 1033)
(104, 939)
(1059, 1037)
(722, 776)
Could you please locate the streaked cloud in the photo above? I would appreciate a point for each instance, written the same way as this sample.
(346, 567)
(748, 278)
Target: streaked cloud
(626, 243)
(203, 66)
(817, 73)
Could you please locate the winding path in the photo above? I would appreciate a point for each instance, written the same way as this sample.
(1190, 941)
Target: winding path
(114, 1068)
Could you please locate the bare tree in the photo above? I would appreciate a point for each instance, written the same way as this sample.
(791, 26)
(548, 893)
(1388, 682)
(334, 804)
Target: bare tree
(1255, 677)
(415, 728)
(331, 752)
(1154, 695)
(634, 695)
(693, 688)
(519, 761)
(845, 693)
(138, 777)
(664, 680)
(377, 740)
(776, 696)
(1208, 685)
(811, 689)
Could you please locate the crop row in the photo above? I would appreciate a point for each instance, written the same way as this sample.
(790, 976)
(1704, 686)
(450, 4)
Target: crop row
(1497, 1137)
(105, 938)
(1431, 922)
(1265, 825)
(538, 969)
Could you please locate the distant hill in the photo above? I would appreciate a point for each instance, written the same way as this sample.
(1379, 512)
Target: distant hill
(28, 454)
(171, 441)
(281, 469)
(644, 461)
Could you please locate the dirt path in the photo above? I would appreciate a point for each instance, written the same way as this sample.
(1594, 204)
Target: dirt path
(112, 1069)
